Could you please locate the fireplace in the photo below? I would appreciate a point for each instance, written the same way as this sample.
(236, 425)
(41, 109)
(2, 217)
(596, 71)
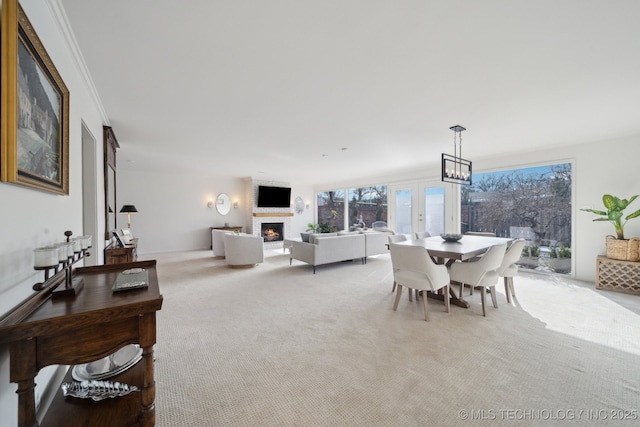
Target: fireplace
(272, 231)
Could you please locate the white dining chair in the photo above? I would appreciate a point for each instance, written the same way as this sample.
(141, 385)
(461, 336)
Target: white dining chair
(508, 269)
(393, 238)
(414, 269)
(422, 234)
(482, 234)
(481, 273)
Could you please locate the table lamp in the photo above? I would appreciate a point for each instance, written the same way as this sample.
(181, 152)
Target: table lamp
(129, 209)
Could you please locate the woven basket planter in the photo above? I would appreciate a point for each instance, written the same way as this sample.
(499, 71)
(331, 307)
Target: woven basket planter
(625, 250)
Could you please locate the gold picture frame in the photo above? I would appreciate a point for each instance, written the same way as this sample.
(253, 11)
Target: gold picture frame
(34, 120)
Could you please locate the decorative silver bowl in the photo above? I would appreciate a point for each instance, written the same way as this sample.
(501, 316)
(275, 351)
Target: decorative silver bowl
(97, 390)
(450, 237)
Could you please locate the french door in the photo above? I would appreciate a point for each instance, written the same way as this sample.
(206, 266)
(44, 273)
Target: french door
(418, 207)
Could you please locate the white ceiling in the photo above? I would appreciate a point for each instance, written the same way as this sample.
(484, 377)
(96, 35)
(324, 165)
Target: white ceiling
(276, 89)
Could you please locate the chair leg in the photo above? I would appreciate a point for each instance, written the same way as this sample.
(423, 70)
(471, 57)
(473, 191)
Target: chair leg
(426, 310)
(483, 291)
(395, 305)
(446, 298)
(461, 289)
(410, 294)
(507, 291)
(394, 287)
(494, 297)
(513, 290)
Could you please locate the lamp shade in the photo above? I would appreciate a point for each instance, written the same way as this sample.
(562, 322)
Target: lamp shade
(128, 209)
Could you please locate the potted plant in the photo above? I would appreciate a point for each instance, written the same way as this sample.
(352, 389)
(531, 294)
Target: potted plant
(618, 247)
(312, 228)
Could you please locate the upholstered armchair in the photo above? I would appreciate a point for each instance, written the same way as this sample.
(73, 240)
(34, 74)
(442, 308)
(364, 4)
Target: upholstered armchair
(217, 242)
(243, 250)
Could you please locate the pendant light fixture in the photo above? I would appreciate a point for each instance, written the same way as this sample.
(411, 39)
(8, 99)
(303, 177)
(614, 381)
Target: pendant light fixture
(455, 169)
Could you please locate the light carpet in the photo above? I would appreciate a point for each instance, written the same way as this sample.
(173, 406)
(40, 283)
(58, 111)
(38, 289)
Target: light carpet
(276, 345)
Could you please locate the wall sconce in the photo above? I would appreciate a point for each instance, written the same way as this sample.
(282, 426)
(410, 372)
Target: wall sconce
(235, 205)
(210, 204)
(308, 205)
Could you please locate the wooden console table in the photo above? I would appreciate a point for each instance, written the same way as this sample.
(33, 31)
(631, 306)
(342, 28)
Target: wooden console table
(118, 255)
(81, 329)
(237, 228)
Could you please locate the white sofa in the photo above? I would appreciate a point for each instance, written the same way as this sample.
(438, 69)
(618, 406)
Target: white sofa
(243, 250)
(336, 247)
(376, 242)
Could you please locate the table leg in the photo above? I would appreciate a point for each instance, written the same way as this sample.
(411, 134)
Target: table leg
(453, 298)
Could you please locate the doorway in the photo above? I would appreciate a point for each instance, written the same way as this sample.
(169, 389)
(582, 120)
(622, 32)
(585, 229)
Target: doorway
(89, 192)
(418, 206)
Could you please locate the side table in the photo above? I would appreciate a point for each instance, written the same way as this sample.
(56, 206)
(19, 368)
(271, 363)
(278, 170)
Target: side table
(617, 275)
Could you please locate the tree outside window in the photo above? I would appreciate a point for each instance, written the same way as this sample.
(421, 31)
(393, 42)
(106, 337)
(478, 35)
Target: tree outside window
(530, 203)
(367, 205)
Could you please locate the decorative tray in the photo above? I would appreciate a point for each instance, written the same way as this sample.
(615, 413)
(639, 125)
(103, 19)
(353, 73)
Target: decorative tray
(109, 366)
(96, 390)
(450, 237)
(133, 278)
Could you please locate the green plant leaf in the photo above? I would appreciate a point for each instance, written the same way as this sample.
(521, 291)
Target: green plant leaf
(608, 200)
(603, 213)
(633, 215)
(621, 204)
(615, 216)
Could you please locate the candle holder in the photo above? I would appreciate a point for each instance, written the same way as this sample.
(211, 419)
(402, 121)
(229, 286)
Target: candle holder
(61, 258)
(45, 259)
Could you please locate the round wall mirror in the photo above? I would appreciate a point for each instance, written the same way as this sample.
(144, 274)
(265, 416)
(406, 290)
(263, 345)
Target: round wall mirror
(298, 205)
(223, 204)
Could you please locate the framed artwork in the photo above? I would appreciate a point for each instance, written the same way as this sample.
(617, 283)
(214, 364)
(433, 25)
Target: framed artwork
(126, 236)
(119, 240)
(34, 120)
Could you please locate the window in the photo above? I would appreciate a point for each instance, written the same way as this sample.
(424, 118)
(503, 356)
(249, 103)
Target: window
(331, 210)
(368, 206)
(531, 203)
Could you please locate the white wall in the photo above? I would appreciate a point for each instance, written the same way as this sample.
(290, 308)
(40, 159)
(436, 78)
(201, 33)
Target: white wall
(29, 218)
(173, 213)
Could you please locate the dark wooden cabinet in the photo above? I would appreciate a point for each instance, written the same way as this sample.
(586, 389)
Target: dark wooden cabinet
(80, 329)
(117, 255)
(230, 228)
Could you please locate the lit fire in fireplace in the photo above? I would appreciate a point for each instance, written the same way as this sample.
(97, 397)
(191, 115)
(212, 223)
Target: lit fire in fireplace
(272, 231)
(271, 234)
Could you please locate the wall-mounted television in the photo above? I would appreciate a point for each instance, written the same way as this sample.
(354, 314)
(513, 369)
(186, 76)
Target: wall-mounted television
(274, 197)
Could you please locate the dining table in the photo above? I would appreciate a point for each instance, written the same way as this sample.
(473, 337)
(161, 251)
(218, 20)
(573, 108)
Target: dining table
(448, 252)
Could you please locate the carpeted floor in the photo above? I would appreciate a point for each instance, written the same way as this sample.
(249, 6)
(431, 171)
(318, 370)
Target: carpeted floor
(276, 345)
